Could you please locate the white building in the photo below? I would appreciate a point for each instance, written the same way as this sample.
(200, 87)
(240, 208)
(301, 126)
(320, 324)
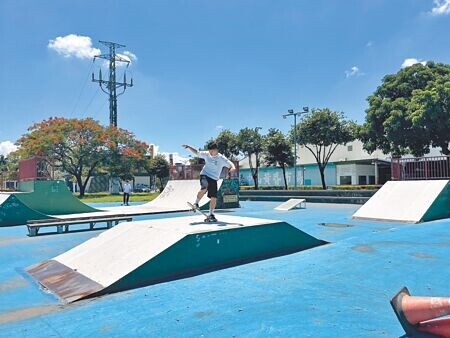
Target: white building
(349, 164)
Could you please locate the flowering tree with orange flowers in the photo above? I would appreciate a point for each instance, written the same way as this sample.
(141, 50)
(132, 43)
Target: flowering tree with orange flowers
(81, 146)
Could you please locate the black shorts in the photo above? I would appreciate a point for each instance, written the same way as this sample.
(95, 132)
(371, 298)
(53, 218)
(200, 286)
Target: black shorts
(210, 184)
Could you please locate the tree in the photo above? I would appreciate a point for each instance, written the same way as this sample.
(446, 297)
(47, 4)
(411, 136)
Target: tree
(159, 167)
(430, 113)
(409, 112)
(127, 154)
(321, 132)
(278, 151)
(78, 147)
(227, 144)
(3, 169)
(3, 163)
(250, 143)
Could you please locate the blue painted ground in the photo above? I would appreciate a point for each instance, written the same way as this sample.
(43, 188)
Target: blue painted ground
(337, 290)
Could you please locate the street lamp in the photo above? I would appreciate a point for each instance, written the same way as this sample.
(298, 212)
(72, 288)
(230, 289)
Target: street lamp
(291, 113)
(256, 157)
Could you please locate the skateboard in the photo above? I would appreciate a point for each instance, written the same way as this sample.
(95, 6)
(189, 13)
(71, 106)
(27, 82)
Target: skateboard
(195, 209)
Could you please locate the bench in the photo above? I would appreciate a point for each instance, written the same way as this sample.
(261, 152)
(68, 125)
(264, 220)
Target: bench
(63, 225)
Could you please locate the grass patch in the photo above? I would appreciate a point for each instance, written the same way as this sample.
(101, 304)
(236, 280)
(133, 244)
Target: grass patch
(103, 197)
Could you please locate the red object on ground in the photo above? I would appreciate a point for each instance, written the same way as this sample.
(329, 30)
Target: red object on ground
(439, 327)
(422, 314)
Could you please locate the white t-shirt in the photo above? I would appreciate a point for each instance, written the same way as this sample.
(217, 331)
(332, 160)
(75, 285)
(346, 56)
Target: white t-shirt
(127, 188)
(213, 164)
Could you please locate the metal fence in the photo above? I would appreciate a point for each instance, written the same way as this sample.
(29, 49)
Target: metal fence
(421, 168)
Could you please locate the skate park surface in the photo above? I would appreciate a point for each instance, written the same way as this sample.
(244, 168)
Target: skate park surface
(341, 289)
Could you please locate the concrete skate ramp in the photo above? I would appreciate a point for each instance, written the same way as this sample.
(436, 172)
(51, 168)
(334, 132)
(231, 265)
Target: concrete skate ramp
(408, 201)
(14, 212)
(51, 197)
(137, 254)
(174, 198)
(38, 200)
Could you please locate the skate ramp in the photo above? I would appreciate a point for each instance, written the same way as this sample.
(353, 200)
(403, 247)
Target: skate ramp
(137, 254)
(51, 197)
(173, 198)
(408, 201)
(14, 212)
(39, 200)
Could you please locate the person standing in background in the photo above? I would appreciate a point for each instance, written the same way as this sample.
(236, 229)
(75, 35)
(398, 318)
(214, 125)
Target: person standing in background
(126, 193)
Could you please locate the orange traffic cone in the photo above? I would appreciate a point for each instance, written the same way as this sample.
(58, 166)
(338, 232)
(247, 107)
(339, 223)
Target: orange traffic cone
(414, 312)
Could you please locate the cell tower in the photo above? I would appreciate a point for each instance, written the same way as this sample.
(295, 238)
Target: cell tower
(110, 86)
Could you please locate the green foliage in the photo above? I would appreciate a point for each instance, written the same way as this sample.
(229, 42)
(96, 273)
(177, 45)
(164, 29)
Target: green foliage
(250, 142)
(278, 151)
(159, 167)
(227, 144)
(3, 164)
(410, 111)
(324, 128)
(321, 132)
(126, 156)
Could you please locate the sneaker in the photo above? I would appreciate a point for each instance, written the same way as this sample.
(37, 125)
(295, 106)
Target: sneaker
(212, 218)
(196, 206)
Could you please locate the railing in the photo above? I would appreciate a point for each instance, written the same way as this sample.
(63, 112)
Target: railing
(421, 168)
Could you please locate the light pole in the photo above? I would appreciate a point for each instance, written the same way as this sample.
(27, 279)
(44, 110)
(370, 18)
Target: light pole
(256, 157)
(291, 113)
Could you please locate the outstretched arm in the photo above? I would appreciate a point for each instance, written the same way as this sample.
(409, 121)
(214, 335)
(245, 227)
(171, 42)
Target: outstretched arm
(192, 149)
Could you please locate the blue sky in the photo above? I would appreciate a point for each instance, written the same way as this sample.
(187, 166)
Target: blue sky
(200, 66)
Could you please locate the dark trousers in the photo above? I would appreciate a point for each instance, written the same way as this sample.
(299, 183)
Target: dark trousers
(126, 198)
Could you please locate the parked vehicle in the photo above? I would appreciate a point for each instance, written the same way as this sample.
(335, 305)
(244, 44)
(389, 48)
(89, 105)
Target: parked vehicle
(141, 188)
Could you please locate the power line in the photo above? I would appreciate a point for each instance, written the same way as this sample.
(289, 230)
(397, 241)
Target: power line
(91, 100)
(82, 89)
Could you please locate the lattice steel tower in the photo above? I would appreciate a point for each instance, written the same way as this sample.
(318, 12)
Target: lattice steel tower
(110, 86)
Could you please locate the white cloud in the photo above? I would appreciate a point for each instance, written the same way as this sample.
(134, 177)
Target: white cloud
(441, 7)
(6, 147)
(219, 127)
(354, 71)
(411, 61)
(74, 45)
(131, 56)
(127, 55)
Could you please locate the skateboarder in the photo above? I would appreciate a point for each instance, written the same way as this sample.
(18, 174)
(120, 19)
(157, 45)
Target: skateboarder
(214, 162)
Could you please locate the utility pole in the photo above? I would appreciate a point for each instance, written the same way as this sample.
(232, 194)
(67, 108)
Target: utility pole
(110, 86)
(291, 113)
